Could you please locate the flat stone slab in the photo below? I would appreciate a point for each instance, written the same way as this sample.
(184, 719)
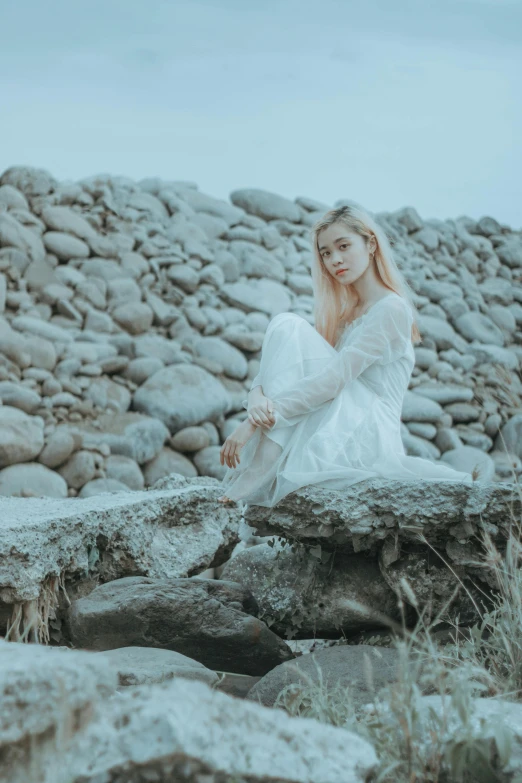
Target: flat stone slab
(176, 532)
(361, 517)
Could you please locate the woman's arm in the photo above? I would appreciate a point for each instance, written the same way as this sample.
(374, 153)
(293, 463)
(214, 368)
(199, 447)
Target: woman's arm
(381, 337)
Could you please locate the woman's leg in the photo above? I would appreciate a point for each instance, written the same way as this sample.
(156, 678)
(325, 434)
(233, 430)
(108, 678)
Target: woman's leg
(291, 349)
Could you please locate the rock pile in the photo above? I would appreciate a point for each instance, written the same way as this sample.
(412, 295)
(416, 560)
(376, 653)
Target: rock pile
(132, 317)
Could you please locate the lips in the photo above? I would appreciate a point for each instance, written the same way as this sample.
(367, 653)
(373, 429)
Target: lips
(340, 271)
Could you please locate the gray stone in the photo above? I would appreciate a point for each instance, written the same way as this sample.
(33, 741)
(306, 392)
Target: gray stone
(510, 436)
(65, 246)
(138, 370)
(21, 436)
(102, 485)
(79, 469)
(476, 326)
(109, 395)
(269, 296)
(42, 690)
(190, 439)
(208, 462)
(146, 732)
(131, 434)
(126, 470)
(299, 595)
(213, 622)
(58, 448)
(106, 536)
(19, 396)
(150, 665)
(231, 359)
(165, 463)
(266, 205)
(15, 235)
(182, 395)
(31, 479)
(135, 317)
(419, 407)
(343, 665)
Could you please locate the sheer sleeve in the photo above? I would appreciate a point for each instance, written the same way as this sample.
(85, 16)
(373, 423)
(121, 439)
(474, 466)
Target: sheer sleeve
(382, 337)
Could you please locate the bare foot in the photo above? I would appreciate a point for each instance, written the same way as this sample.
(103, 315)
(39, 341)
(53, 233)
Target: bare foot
(224, 499)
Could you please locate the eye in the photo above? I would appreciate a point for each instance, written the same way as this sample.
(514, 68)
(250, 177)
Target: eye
(344, 245)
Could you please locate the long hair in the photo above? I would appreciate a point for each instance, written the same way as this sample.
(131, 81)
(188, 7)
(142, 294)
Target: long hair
(333, 302)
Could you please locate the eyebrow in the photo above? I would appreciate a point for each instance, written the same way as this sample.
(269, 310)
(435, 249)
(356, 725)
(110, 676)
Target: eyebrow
(337, 240)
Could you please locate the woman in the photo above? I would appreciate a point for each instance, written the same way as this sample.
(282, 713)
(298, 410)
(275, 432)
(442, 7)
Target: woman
(325, 406)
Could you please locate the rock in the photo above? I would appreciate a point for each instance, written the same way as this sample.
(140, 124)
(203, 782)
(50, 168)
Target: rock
(166, 533)
(15, 235)
(58, 448)
(66, 220)
(231, 359)
(190, 439)
(300, 596)
(344, 665)
(21, 436)
(108, 395)
(472, 460)
(130, 434)
(208, 462)
(146, 732)
(182, 395)
(125, 470)
(38, 327)
(19, 397)
(135, 317)
(79, 469)
(510, 436)
(150, 665)
(42, 690)
(100, 486)
(476, 326)
(376, 517)
(268, 296)
(31, 480)
(165, 463)
(212, 622)
(29, 180)
(138, 370)
(65, 246)
(266, 205)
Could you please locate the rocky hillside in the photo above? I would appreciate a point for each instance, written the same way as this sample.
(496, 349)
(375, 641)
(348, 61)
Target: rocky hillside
(132, 315)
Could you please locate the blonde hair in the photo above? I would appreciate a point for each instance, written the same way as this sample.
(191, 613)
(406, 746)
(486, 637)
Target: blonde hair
(334, 302)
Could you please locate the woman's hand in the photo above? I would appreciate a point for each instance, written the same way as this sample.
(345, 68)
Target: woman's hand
(261, 412)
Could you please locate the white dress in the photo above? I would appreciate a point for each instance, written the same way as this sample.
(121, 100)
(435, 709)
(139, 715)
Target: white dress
(337, 410)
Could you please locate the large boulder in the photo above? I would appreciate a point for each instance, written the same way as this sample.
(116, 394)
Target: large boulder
(129, 434)
(182, 395)
(211, 621)
(359, 668)
(177, 531)
(302, 596)
(47, 698)
(394, 521)
(21, 436)
(185, 732)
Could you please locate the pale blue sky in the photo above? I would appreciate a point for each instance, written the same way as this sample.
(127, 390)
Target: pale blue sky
(386, 102)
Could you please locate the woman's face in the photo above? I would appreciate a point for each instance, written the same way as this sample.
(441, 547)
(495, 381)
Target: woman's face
(343, 249)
